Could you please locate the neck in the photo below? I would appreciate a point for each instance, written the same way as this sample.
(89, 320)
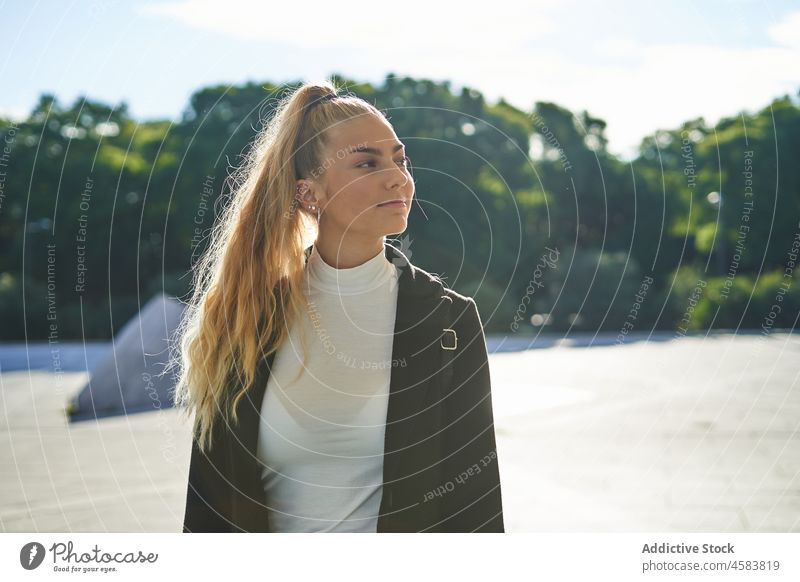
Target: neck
(348, 252)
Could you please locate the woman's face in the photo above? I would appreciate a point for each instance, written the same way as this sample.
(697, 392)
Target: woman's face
(364, 166)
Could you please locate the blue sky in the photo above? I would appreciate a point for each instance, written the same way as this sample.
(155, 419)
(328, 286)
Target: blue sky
(638, 65)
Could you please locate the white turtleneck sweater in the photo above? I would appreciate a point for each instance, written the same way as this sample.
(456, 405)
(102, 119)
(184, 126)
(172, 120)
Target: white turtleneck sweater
(322, 427)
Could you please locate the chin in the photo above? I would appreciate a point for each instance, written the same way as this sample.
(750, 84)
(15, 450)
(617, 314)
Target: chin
(398, 227)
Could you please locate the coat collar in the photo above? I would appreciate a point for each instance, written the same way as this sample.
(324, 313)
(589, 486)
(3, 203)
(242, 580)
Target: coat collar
(416, 329)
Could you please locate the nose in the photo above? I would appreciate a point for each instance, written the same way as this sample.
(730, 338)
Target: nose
(396, 178)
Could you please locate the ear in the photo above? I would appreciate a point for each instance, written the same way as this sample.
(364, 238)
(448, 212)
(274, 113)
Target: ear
(304, 192)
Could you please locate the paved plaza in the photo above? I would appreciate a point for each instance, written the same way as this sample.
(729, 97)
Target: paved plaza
(695, 434)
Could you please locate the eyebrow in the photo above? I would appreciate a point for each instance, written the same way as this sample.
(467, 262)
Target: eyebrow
(370, 150)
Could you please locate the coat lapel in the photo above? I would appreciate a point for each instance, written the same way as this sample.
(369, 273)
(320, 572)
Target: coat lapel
(414, 368)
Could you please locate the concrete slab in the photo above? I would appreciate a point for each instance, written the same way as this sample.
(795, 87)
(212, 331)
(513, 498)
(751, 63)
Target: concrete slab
(699, 434)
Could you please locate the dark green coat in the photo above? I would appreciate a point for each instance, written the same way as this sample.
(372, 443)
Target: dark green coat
(440, 470)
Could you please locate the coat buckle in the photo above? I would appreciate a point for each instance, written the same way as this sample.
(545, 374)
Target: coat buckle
(454, 338)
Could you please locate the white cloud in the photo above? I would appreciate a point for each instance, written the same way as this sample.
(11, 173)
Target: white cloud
(616, 47)
(648, 87)
(14, 113)
(411, 25)
(786, 32)
(534, 51)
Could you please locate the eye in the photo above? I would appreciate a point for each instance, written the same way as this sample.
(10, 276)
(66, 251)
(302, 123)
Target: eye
(404, 161)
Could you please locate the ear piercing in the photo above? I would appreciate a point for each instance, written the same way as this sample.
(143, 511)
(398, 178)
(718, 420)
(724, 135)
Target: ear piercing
(310, 207)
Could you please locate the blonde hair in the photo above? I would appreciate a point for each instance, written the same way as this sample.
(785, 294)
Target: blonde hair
(247, 285)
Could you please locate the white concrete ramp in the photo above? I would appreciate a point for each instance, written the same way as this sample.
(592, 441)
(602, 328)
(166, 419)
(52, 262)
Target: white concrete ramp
(128, 380)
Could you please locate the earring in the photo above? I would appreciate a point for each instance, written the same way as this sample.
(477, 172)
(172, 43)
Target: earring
(311, 207)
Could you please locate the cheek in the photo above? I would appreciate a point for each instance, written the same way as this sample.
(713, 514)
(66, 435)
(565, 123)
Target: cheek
(361, 194)
(353, 201)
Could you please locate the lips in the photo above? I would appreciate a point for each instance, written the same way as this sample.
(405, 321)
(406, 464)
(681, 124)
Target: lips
(396, 202)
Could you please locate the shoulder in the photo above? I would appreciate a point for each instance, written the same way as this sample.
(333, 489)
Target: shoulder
(458, 299)
(463, 309)
(427, 283)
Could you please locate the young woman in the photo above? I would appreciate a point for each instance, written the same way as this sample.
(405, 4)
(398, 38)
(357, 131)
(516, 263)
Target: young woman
(335, 386)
